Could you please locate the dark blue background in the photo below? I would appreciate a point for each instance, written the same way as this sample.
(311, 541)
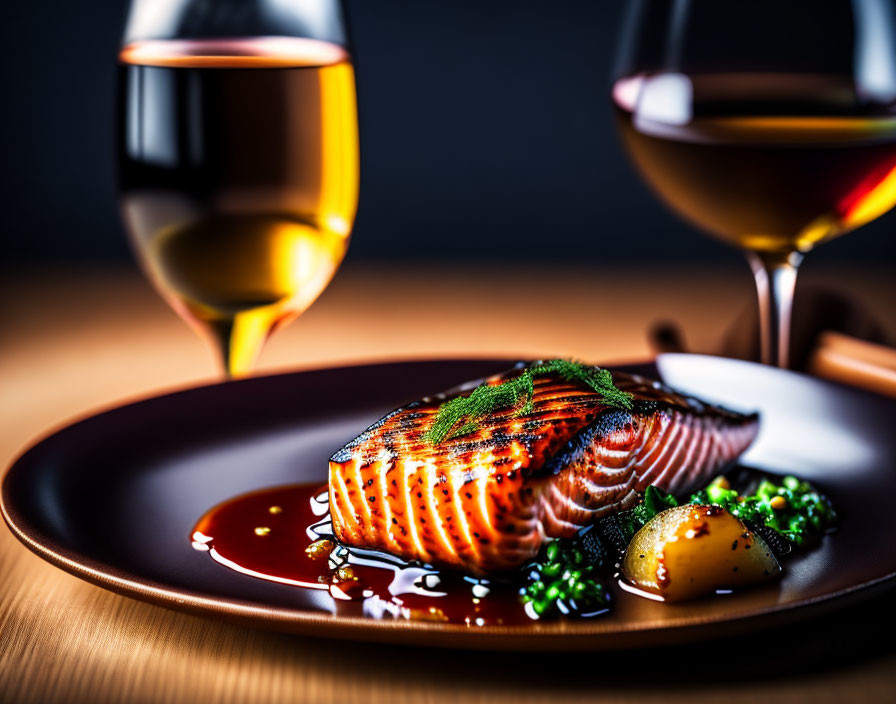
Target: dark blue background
(486, 133)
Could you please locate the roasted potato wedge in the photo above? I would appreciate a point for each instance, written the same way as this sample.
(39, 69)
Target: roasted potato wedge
(690, 550)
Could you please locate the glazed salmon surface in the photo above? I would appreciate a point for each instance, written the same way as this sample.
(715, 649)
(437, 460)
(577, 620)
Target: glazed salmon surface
(486, 502)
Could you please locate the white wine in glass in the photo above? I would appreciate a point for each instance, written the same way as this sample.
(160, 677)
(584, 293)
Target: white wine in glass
(238, 161)
(749, 126)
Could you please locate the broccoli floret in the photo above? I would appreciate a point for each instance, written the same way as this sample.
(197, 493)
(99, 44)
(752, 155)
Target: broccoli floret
(655, 501)
(618, 529)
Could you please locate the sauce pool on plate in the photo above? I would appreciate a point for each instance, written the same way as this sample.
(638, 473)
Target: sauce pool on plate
(284, 535)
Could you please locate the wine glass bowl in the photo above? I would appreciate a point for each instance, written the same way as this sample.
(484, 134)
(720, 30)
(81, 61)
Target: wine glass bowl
(238, 162)
(750, 127)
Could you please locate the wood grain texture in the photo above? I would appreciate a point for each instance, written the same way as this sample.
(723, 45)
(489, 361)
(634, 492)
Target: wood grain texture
(76, 341)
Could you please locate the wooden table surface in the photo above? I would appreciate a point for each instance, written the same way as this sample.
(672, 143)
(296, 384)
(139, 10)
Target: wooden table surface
(76, 340)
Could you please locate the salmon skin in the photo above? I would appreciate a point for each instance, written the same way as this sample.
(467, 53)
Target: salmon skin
(486, 502)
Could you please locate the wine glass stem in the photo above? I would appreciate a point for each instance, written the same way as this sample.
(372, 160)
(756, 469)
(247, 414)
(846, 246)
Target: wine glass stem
(238, 340)
(775, 276)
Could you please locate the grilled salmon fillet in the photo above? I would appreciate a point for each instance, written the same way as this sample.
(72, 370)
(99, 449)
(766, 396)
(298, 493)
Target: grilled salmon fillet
(485, 502)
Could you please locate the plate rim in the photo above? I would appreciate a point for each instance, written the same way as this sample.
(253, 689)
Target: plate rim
(554, 635)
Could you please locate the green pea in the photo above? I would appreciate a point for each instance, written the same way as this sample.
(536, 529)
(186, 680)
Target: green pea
(715, 493)
(766, 489)
(552, 569)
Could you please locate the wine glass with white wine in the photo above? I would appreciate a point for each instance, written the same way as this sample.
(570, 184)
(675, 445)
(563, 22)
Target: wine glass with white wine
(770, 125)
(238, 155)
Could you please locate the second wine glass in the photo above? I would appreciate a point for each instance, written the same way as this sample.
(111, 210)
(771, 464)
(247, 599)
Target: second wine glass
(238, 159)
(770, 125)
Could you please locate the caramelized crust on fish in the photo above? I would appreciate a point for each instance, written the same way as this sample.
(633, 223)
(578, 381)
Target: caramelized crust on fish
(485, 502)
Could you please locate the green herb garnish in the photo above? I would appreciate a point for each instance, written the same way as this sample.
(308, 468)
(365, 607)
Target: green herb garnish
(462, 415)
(794, 507)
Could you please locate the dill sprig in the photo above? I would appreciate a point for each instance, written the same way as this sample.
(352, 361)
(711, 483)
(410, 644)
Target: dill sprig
(461, 415)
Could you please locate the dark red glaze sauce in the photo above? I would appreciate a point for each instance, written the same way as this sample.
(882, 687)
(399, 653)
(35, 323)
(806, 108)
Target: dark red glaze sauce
(266, 534)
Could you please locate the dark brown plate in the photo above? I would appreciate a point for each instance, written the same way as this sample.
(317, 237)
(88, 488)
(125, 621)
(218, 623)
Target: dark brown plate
(112, 498)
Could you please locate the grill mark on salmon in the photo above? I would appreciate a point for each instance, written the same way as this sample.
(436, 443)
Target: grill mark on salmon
(485, 502)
